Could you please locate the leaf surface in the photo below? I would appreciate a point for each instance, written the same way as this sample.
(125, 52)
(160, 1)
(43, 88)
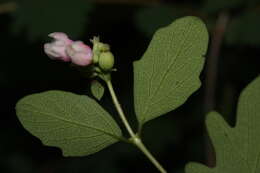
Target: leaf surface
(168, 73)
(237, 149)
(97, 89)
(74, 123)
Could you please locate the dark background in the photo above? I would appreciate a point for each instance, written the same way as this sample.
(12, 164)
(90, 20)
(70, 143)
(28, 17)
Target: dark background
(128, 26)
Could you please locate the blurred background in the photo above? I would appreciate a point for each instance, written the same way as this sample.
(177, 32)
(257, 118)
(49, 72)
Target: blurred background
(233, 60)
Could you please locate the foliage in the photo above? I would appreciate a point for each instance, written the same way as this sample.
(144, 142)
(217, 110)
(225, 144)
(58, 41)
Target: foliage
(164, 78)
(68, 121)
(170, 68)
(168, 72)
(97, 89)
(237, 149)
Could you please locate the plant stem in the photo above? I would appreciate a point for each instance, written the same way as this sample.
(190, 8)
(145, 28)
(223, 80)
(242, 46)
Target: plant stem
(135, 139)
(212, 75)
(119, 109)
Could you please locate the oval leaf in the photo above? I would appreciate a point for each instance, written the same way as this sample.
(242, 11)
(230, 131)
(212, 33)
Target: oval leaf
(97, 89)
(74, 123)
(168, 72)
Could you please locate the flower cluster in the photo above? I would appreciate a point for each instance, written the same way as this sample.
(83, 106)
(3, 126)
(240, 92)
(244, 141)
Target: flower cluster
(64, 49)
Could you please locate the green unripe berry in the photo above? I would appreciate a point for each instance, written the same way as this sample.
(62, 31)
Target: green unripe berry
(95, 57)
(106, 61)
(100, 47)
(103, 47)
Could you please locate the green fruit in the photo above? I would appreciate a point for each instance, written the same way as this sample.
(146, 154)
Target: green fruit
(106, 61)
(95, 58)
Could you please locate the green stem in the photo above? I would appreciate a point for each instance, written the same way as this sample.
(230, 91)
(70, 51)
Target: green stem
(119, 109)
(135, 139)
(138, 142)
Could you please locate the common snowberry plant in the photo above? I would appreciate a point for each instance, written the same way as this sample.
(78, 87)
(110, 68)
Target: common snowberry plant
(166, 75)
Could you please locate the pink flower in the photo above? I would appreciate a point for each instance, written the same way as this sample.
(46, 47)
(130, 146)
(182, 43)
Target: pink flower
(79, 53)
(57, 48)
(62, 48)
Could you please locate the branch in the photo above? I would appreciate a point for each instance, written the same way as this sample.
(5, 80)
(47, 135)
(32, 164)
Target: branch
(211, 74)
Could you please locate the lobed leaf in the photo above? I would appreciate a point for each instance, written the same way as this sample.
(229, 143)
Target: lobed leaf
(74, 123)
(168, 73)
(237, 149)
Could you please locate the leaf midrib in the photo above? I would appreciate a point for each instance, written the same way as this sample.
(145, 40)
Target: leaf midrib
(72, 122)
(165, 73)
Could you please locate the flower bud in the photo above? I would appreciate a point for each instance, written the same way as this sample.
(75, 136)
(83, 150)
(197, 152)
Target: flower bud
(56, 49)
(106, 61)
(102, 47)
(79, 53)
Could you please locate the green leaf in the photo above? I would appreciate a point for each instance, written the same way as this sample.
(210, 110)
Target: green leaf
(237, 149)
(168, 73)
(97, 89)
(42, 17)
(74, 123)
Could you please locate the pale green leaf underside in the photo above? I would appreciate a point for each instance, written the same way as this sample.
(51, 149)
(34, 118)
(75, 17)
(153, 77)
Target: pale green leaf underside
(237, 149)
(74, 123)
(97, 89)
(168, 73)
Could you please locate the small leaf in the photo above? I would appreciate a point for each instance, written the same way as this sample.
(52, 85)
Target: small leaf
(97, 89)
(237, 149)
(76, 124)
(168, 72)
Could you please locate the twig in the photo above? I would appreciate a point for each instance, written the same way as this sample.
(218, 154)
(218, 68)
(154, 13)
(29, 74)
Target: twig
(211, 74)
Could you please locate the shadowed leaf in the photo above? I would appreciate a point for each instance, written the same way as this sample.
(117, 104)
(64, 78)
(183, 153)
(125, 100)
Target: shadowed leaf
(237, 149)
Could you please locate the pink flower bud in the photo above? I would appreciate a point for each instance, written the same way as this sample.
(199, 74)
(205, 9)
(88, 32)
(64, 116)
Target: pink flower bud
(79, 53)
(57, 48)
